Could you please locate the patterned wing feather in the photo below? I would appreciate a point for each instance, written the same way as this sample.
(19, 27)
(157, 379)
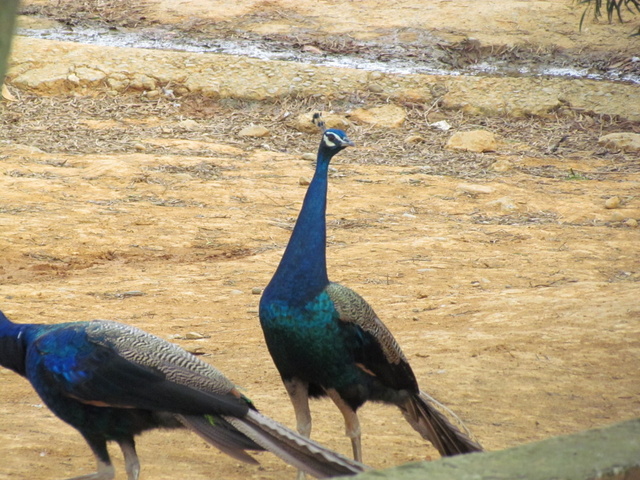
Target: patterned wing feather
(375, 351)
(352, 308)
(122, 366)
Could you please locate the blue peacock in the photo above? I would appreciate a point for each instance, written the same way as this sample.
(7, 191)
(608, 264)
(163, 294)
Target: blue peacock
(112, 382)
(326, 340)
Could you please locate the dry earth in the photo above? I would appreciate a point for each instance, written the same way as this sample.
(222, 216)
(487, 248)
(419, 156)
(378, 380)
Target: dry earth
(524, 321)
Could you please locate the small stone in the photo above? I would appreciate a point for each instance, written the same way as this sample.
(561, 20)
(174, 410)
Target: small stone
(631, 222)
(141, 147)
(501, 166)
(73, 78)
(256, 291)
(505, 204)
(617, 217)
(441, 125)
(194, 336)
(625, 141)
(194, 349)
(473, 188)
(303, 181)
(473, 141)
(189, 125)
(308, 156)
(612, 202)
(254, 131)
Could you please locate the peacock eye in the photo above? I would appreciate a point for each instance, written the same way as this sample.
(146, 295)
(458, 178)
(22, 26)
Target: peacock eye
(330, 139)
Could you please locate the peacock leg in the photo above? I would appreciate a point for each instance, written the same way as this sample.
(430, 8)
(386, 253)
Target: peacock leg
(105, 467)
(131, 462)
(351, 422)
(299, 394)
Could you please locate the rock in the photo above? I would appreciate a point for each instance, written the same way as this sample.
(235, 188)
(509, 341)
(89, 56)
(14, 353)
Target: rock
(189, 125)
(141, 147)
(625, 141)
(194, 349)
(254, 131)
(473, 188)
(194, 336)
(304, 122)
(311, 157)
(303, 181)
(473, 141)
(612, 202)
(632, 222)
(501, 166)
(441, 125)
(73, 78)
(256, 291)
(616, 216)
(504, 204)
(389, 116)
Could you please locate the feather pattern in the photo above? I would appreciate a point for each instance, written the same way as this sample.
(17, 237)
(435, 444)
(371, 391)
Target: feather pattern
(112, 382)
(325, 339)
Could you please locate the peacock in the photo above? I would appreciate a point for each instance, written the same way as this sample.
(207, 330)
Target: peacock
(112, 382)
(326, 340)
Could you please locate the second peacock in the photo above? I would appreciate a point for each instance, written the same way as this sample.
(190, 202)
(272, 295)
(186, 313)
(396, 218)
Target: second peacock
(326, 340)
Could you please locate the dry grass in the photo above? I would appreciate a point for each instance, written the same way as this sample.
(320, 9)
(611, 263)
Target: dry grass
(60, 125)
(104, 12)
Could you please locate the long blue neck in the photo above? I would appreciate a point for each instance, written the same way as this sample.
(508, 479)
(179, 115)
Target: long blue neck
(13, 345)
(302, 272)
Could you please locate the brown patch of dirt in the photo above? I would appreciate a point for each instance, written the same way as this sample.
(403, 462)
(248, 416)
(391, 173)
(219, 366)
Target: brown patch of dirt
(524, 321)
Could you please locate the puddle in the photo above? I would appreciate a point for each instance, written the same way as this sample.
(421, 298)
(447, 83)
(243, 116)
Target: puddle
(159, 39)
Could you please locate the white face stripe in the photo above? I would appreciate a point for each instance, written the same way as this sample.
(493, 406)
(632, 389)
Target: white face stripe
(327, 139)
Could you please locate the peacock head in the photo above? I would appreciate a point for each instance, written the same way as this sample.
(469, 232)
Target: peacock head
(335, 140)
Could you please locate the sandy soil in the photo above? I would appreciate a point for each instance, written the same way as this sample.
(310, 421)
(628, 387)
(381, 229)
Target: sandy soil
(523, 321)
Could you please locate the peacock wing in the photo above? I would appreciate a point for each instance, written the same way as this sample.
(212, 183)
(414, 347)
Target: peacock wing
(374, 346)
(109, 364)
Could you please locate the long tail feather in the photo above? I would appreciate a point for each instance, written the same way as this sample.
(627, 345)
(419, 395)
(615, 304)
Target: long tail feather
(296, 450)
(429, 422)
(221, 435)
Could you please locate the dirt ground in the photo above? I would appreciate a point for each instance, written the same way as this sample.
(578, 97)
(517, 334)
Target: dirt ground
(517, 303)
